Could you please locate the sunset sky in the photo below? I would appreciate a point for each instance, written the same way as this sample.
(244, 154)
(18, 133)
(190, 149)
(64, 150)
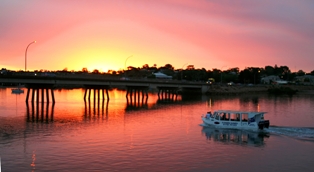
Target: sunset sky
(102, 34)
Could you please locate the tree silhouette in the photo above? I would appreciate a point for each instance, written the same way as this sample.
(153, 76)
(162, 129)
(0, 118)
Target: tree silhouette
(145, 66)
(95, 71)
(84, 70)
(300, 73)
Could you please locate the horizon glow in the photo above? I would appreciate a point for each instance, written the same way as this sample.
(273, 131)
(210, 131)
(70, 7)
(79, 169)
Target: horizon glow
(207, 34)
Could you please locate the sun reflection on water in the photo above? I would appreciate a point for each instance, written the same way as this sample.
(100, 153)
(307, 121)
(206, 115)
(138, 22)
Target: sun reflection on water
(33, 160)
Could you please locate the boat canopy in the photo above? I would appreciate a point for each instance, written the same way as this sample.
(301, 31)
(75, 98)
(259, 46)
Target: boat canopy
(250, 114)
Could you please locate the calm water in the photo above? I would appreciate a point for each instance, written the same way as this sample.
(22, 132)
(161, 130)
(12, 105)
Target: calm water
(152, 135)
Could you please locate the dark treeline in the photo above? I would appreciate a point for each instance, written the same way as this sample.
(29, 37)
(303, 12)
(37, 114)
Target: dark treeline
(248, 75)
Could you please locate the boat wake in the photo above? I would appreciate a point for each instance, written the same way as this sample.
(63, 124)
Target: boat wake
(302, 133)
(203, 125)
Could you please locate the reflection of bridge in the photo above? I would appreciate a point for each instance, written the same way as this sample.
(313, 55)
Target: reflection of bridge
(40, 112)
(44, 112)
(241, 137)
(36, 83)
(97, 107)
(95, 104)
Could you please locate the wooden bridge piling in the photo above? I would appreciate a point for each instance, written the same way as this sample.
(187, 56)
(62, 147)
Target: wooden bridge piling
(167, 93)
(96, 89)
(39, 90)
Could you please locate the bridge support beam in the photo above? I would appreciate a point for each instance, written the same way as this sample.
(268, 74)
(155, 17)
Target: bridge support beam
(41, 93)
(96, 89)
(136, 96)
(35, 88)
(168, 93)
(98, 93)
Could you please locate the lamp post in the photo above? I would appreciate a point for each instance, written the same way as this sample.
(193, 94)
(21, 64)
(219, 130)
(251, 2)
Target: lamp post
(182, 71)
(255, 76)
(126, 60)
(221, 74)
(26, 53)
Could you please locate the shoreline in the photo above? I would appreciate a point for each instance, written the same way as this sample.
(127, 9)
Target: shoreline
(226, 90)
(223, 89)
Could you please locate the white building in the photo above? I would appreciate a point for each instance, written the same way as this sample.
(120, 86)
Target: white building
(269, 79)
(306, 79)
(160, 75)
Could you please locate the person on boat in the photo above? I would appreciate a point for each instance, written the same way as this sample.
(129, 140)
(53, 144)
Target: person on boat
(208, 115)
(223, 117)
(238, 117)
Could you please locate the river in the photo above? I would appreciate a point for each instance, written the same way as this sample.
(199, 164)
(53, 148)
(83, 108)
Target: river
(152, 134)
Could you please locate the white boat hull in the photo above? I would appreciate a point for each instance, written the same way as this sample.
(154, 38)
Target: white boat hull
(231, 124)
(236, 119)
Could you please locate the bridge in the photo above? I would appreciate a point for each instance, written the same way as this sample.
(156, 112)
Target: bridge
(101, 84)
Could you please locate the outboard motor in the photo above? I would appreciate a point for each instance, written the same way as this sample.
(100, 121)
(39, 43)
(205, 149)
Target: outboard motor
(263, 124)
(266, 123)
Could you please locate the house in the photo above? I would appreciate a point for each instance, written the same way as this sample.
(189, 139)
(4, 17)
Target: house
(270, 79)
(306, 79)
(3, 71)
(160, 75)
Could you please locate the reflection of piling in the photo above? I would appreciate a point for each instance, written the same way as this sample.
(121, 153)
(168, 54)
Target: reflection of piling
(134, 102)
(137, 96)
(95, 109)
(167, 93)
(38, 112)
(39, 91)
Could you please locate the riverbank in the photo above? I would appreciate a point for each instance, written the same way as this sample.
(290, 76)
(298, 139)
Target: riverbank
(241, 89)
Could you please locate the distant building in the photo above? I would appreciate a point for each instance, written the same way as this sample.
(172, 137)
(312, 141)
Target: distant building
(280, 82)
(4, 71)
(305, 79)
(160, 75)
(270, 79)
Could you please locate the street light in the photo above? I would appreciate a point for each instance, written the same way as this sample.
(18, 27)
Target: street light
(221, 74)
(182, 71)
(126, 60)
(255, 76)
(26, 52)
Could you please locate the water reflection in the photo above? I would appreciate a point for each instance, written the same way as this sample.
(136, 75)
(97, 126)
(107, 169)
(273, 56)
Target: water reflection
(254, 100)
(168, 94)
(40, 112)
(96, 109)
(135, 102)
(193, 97)
(240, 137)
(168, 100)
(33, 160)
(236, 102)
